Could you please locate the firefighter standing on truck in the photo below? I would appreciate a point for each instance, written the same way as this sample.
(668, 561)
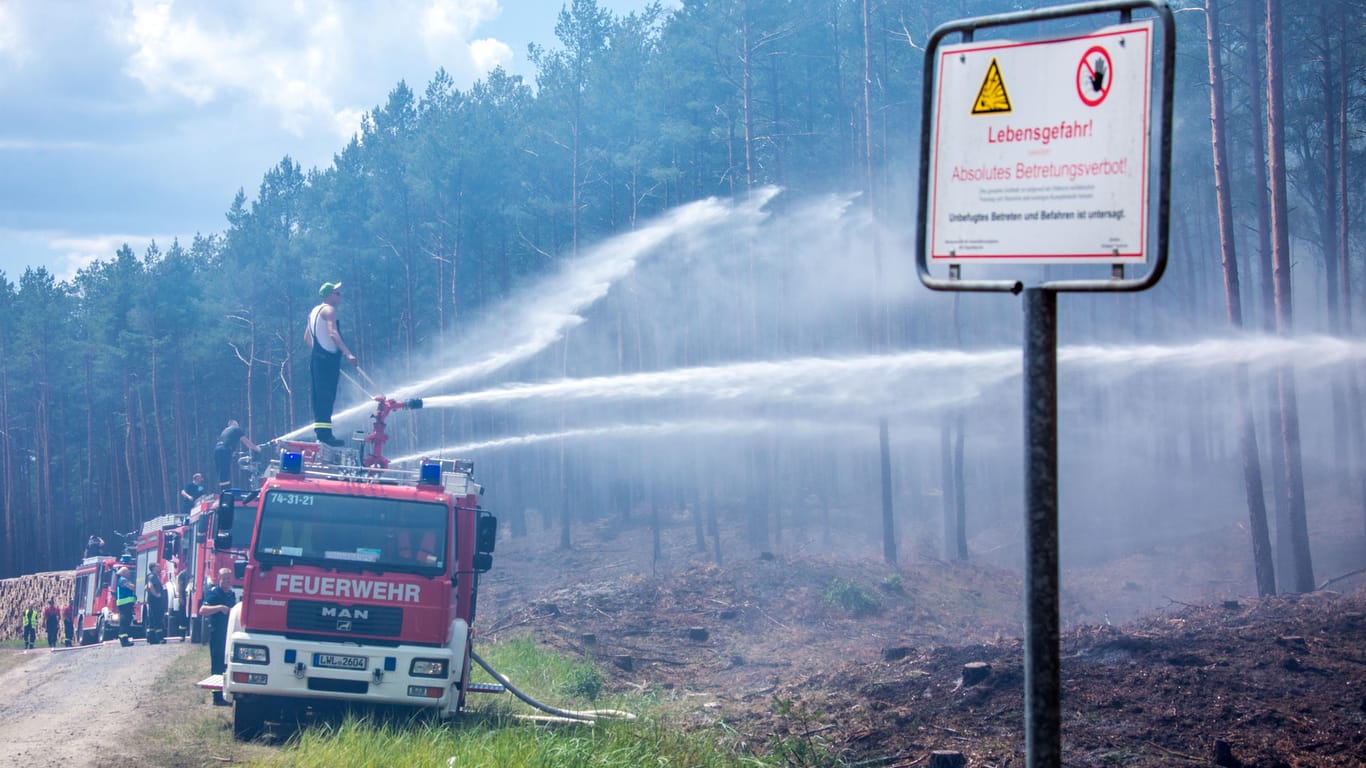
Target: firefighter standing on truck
(326, 349)
(228, 440)
(125, 596)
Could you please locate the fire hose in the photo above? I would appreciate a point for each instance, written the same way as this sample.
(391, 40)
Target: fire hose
(587, 716)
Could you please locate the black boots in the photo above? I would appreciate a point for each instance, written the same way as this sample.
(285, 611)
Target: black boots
(325, 437)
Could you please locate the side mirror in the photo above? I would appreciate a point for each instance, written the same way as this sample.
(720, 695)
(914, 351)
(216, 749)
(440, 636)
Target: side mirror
(168, 547)
(239, 568)
(223, 539)
(227, 505)
(483, 561)
(485, 533)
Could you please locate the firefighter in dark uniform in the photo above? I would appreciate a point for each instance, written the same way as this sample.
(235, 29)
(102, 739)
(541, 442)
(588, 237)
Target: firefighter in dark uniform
(218, 601)
(154, 612)
(232, 436)
(124, 597)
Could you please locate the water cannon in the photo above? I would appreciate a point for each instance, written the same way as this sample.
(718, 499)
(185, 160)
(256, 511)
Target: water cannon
(377, 437)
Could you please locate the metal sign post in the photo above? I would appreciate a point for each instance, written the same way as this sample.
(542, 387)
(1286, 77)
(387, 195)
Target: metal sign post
(1041, 152)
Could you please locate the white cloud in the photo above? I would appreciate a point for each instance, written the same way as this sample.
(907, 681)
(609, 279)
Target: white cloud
(489, 53)
(314, 64)
(12, 34)
(75, 252)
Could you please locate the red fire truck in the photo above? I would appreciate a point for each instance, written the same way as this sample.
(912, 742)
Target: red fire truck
(159, 542)
(206, 546)
(97, 618)
(360, 586)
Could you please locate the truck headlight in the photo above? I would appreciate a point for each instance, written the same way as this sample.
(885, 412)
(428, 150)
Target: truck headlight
(427, 668)
(250, 654)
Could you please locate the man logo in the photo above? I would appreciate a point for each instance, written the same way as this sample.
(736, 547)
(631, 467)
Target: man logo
(343, 626)
(346, 613)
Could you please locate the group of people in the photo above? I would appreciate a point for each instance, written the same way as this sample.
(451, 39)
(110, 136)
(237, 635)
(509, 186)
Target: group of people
(51, 618)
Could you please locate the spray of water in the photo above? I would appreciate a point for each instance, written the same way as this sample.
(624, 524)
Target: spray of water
(651, 431)
(532, 320)
(926, 382)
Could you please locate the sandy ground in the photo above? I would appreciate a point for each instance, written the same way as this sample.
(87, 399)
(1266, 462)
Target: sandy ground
(77, 707)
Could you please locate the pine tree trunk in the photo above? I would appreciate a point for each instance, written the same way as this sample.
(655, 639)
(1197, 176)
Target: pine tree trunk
(1254, 64)
(888, 527)
(1247, 433)
(1302, 566)
(1328, 223)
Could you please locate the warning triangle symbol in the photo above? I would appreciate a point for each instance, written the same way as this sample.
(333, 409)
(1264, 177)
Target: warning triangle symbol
(992, 97)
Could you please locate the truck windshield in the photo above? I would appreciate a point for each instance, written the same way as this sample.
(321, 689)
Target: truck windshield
(387, 534)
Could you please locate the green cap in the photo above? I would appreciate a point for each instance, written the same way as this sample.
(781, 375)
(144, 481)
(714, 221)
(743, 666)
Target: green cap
(327, 289)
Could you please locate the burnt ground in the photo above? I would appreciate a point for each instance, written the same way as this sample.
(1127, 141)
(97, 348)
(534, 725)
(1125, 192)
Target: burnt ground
(814, 655)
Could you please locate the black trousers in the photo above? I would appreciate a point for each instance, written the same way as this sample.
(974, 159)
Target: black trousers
(324, 370)
(222, 461)
(218, 642)
(154, 619)
(125, 623)
(30, 636)
(70, 630)
(52, 633)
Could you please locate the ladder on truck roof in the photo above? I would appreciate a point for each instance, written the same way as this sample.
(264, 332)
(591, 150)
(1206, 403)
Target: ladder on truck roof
(161, 522)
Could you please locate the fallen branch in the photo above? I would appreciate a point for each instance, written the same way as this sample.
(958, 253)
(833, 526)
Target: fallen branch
(1173, 753)
(1325, 584)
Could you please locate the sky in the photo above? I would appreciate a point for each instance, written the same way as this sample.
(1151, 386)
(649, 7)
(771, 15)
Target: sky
(135, 121)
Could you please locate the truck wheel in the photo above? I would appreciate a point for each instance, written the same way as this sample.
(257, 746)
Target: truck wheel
(248, 718)
(101, 631)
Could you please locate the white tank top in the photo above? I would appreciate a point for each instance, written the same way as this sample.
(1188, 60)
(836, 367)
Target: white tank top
(320, 335)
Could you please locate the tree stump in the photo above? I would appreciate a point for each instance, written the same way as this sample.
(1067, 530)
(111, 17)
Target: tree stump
(975, 672)
(1223, 755)
(698, 634)
(947, 759)
(625, 663)
(896, 654)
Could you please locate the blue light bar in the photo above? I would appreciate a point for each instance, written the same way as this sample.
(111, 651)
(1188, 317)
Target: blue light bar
(431, 473)
(292, 462)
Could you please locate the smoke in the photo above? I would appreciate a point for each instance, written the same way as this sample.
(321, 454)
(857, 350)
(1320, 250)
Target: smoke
(745, 353)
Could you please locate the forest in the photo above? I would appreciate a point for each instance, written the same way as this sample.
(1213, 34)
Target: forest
(672, 279)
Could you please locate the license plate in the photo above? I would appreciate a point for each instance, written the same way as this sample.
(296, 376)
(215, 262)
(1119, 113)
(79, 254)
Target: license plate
(332, 661)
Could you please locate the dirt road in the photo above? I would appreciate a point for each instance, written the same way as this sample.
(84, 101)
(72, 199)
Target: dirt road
(80, 707)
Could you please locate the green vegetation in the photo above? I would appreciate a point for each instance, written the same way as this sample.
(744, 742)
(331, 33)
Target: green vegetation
(853, 597)
(894, 583)
(802, 746)
(498, 731)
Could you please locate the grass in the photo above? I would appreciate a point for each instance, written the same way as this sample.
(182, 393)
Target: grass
(494, 730)
(853, 597)
(201, 734)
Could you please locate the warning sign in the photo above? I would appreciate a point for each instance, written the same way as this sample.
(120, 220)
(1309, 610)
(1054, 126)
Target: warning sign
(992, 97)
(1055, 169)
